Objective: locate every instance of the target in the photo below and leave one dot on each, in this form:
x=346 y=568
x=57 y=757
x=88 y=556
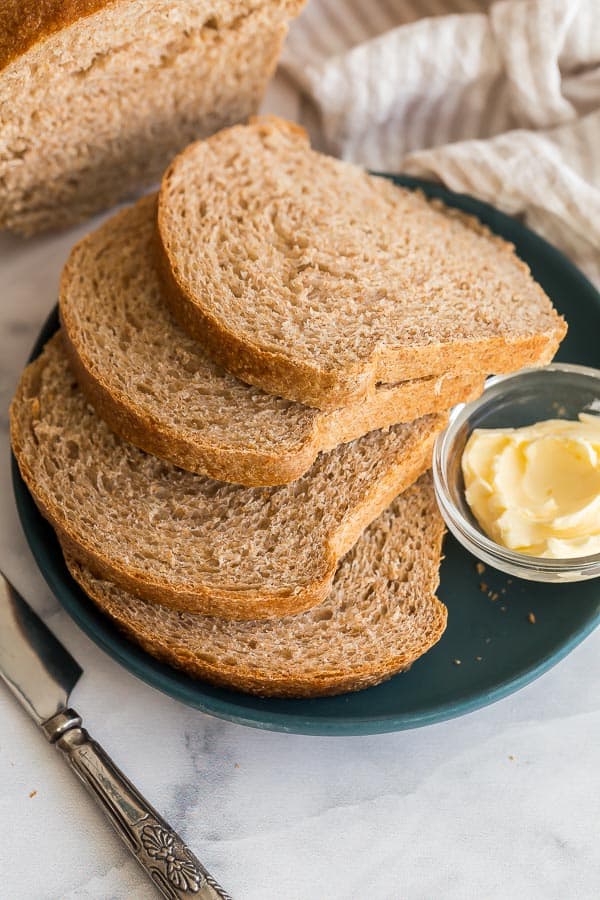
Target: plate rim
x=191 y=692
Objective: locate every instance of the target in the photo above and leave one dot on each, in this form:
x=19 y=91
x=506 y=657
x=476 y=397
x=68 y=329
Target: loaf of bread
x=315 y=281
x=188 y=541
x=156 y=386
x=380 y=616
x=97 y=95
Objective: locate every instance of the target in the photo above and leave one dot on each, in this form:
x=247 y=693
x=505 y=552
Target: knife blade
x=39 y=671
x=41 y=674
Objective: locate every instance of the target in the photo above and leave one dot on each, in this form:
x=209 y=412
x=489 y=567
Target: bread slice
x=156 y=387
x=185 y=540
x=380 y=616
x=96 y=96
x=313 y=280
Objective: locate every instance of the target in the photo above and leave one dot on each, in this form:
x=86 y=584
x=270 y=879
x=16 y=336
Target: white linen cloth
x=500 y=100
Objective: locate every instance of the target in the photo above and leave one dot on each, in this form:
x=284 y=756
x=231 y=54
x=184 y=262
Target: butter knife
x=41 y=674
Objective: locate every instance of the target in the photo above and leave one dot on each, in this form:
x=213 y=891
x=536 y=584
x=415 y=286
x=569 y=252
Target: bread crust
x=24 y=23
x=201 y=597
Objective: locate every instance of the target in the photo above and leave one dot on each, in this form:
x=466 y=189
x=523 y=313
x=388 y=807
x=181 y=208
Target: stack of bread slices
x=231 y=432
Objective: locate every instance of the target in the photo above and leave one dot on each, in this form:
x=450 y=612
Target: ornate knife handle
x=158 y=849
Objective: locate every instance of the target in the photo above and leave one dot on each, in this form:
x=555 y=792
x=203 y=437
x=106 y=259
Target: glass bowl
x=558 y=391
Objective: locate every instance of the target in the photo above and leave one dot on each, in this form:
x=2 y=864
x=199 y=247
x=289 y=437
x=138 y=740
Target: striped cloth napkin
x=497 y=99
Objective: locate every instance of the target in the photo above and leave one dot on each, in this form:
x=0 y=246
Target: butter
x=537 y=489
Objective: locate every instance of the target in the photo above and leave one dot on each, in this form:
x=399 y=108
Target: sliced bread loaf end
x=97 y=97
x=379 y=617
x=315 y=280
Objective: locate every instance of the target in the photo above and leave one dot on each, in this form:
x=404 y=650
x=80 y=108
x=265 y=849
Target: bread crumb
x=510 y=756
x=531 y=618
x=457 y=662
x=503 y=609
x=480 y=568
x=32 y=794
x=478 y=658
x=483 y=587
x=494 y=596
x=236 y=766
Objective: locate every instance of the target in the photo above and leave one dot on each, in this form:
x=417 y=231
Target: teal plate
x=500 y=650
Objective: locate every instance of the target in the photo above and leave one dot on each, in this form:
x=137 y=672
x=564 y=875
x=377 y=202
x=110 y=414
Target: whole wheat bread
x=156 y=386
x=313 y=280
x=96 y=96
x=379 y=617
x=183 y=539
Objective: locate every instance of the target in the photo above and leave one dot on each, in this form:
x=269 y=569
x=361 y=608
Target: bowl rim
x=473 y=538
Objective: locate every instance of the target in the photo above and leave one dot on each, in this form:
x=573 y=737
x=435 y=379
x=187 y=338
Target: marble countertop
x=502 y=803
